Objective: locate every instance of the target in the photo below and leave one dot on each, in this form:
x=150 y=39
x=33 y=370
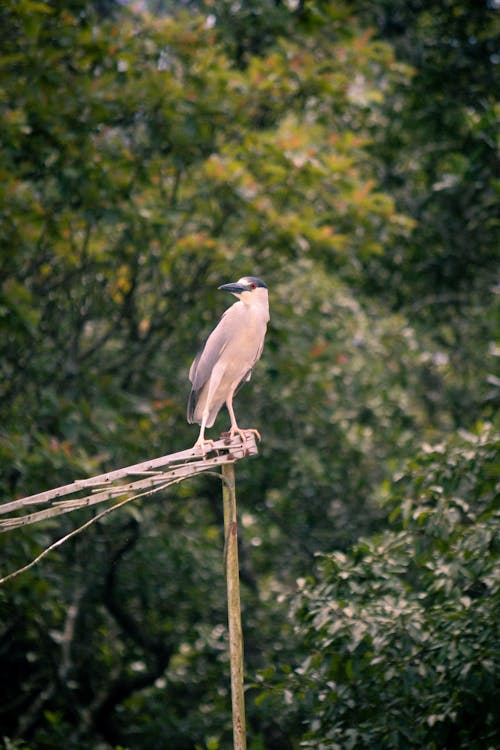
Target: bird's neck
x=258 y=312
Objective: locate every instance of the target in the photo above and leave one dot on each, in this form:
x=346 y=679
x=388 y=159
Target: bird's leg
x=202 y=442
x=213 y=383
x=235 y=430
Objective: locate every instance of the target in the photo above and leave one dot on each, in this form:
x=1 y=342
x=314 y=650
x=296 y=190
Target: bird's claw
x=202 y=445
x=242 y=433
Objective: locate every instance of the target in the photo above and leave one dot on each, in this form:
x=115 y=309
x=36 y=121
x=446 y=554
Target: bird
x=226 y=360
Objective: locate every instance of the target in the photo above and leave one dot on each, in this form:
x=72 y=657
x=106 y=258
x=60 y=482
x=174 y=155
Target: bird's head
x=249 y=289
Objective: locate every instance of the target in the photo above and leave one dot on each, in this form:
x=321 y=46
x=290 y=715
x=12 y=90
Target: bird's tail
x=196 y=407
x=191 y=407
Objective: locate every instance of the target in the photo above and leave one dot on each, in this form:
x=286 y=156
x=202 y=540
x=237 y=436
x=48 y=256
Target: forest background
x=346 y=153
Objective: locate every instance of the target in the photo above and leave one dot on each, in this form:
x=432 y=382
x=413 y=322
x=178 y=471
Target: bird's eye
x=253 y=285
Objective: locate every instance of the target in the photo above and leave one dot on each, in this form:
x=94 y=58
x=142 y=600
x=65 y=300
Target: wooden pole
x=233 y=606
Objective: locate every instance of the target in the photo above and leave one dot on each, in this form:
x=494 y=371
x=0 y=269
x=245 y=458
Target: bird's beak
x=234 y=288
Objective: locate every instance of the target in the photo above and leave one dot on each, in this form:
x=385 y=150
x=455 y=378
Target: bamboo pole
x=151 y=476
x=233 y=606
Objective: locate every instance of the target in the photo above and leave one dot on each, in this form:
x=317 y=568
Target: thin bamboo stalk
x=233 y=606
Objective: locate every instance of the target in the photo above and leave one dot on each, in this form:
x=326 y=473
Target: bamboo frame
x=149 y=477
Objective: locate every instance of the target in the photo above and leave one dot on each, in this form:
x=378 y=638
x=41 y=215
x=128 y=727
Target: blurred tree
x=144 y=160
x=439 y=154
x=438 y=159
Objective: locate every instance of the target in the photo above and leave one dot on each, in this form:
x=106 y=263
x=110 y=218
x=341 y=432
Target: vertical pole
x=233 y=606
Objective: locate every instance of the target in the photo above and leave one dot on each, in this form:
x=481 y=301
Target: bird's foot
x=243 y=434
x=204 y=444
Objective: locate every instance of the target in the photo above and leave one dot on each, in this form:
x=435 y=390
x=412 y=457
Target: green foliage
x=144 y=160
x=401 y=633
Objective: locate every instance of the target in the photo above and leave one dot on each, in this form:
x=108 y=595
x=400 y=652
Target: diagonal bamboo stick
x=110 y=486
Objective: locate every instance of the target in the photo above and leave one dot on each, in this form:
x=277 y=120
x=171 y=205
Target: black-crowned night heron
x=229 y=354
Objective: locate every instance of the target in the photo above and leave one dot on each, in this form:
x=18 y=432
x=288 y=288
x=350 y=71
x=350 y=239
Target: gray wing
x=209 y=355
x=206 y=359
